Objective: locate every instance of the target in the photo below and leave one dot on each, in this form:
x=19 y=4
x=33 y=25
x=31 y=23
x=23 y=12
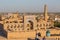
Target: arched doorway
x=31 y=24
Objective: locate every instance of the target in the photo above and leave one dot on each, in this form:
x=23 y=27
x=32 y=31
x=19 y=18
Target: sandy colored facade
x=26 y=26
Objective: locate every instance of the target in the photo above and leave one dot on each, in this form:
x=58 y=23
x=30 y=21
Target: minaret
x=45 y=13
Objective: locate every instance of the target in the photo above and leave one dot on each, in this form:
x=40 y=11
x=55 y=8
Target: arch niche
x=31 y=24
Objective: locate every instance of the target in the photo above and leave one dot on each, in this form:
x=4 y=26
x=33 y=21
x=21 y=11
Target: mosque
x=26 y=26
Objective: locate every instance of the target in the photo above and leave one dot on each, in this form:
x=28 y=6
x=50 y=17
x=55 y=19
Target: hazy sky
x=29 y=5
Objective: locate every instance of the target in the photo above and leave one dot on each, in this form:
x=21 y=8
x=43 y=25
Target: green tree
x=57 y=24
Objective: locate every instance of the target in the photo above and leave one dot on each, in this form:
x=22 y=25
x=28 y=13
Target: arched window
x=10 y=22
x=46 y=24
x=21 y=21
x=14 y=26
x=7 y=21
x=40 y=25
x=11 y=26
x=18 y=26
x=43 y=24
x=27 y=28
x=15 y=21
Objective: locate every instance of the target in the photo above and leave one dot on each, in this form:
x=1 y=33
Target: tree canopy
x=57 y=24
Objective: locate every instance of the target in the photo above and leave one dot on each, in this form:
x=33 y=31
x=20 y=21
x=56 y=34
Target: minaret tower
x=45 y=13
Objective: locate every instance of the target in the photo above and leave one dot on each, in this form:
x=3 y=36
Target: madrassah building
x=26 y=26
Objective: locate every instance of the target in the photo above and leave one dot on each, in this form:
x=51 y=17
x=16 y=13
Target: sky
x=29 y=5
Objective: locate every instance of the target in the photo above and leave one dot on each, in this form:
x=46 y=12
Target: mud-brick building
x=26 y=26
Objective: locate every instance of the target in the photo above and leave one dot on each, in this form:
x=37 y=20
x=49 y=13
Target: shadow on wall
x=30 y=39
x=31 y=23
x=3 y=33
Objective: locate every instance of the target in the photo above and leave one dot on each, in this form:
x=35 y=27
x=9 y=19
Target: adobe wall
x=26 y=34
x=12 y=35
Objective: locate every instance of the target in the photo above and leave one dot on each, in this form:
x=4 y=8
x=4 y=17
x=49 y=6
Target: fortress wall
x=32 y=34
x=13 y=35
